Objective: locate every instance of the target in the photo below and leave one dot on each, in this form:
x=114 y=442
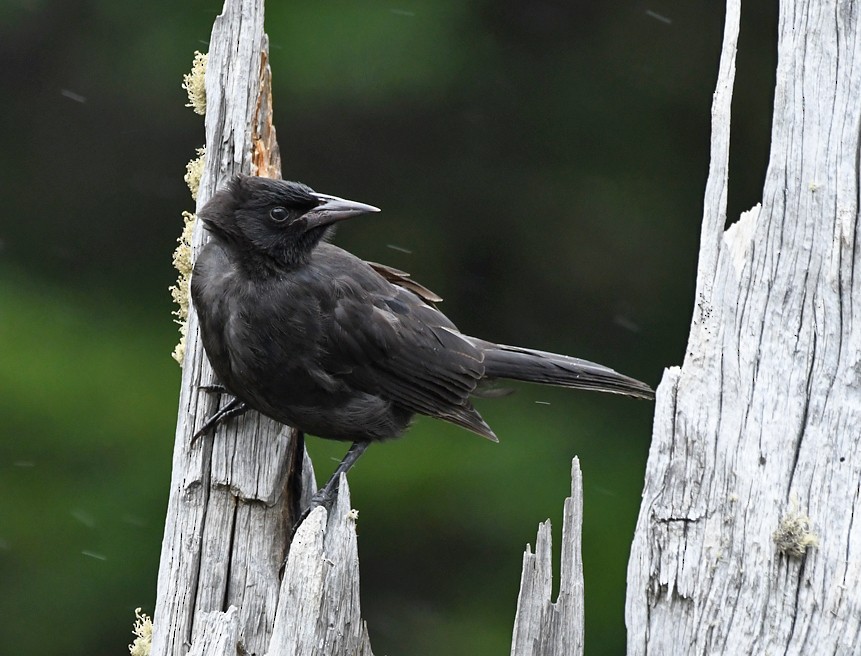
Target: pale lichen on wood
x=194 y=84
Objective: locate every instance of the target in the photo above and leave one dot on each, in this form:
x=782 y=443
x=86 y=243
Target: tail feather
x=515 y=363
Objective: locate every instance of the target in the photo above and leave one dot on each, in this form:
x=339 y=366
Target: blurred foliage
x=541 y=165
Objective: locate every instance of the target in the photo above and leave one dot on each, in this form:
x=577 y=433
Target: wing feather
x=385 y=339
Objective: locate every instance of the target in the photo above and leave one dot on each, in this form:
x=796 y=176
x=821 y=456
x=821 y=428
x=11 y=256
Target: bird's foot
x=233 y=409
x=324 y=497
x=327 y=494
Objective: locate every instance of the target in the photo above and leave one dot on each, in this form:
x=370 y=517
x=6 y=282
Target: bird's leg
x=234 y=408
x=325 y=496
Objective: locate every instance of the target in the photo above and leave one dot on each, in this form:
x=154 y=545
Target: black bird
x=318 y=339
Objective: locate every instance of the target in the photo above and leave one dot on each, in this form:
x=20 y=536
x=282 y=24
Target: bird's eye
x=278 y=214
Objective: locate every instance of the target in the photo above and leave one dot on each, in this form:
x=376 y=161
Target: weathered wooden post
x=747 y=541
x=543 y=627
x=232 y=496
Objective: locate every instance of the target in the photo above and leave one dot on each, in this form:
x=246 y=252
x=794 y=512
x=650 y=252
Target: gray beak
x=332 y=209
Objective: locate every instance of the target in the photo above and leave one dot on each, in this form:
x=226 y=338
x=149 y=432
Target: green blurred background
x=540 y=165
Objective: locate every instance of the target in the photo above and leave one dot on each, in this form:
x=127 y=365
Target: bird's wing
x=403 y=279
x=383 y=339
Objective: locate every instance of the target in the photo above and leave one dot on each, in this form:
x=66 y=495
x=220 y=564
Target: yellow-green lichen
x=180 y=291
x=194 y=84
x=143 y=634
x=194 y=171
x=794 y=535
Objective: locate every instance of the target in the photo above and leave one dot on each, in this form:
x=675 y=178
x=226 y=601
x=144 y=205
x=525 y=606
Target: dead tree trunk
x=746 y=541
x=543 y=627
x=232 y=496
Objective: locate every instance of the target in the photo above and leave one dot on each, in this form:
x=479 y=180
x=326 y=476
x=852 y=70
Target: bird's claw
x=324 y=497
x=233 y=409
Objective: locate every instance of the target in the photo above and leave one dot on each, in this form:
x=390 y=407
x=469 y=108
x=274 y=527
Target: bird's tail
x=533 y=366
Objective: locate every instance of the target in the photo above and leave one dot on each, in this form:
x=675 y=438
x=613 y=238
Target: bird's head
x=282 y=221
